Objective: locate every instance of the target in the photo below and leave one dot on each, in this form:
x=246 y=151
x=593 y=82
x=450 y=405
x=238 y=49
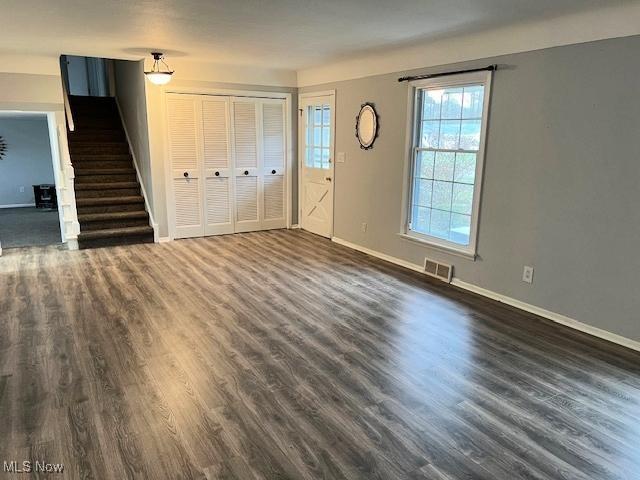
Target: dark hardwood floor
x=282 y=355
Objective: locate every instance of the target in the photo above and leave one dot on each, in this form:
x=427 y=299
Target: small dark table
x=45 y=196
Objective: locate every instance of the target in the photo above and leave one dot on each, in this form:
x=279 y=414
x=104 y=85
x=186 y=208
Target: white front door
x=316 y=164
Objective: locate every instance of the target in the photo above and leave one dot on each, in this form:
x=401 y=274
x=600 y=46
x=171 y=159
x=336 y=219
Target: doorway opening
x=29 y=213
x=87 y=76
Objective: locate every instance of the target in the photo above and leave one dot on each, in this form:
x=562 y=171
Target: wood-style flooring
x=280 y=355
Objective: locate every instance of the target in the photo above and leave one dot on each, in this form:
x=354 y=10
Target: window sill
x=442 y=248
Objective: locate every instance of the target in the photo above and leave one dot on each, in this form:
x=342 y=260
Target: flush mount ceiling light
x=158 y=75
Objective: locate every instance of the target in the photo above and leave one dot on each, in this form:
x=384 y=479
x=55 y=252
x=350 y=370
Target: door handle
x=186 y=174
x=273 y=172
x=217 y=174
x=328 y=179
x=246 y=172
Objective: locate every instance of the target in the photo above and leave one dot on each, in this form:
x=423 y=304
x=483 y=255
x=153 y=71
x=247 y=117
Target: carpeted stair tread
x=107 y=177
x=102 y=161
x=95 y=170
x=101 y=164
x=125 y=192
x=100 y=217
x=106 y=186
x=116 y=232
x=91 y=142
x=86 y=202
x=95 y=139
x=98 y=148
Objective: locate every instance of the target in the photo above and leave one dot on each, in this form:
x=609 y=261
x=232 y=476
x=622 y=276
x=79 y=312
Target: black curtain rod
x=490 y=68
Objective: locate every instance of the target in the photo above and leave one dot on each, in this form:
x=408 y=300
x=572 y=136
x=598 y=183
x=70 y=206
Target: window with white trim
x=447 y=152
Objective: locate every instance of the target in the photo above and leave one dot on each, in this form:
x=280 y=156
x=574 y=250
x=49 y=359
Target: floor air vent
x=439 y=270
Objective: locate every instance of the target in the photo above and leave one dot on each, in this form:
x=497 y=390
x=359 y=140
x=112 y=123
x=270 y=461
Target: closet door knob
x=246 y=172
x=186 y=174
x=273 y=172
x=217 y=174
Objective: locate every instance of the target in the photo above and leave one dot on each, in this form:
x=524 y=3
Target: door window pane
x=325 y=136
x=318 y=137
x=326 y=155
x=326 y=115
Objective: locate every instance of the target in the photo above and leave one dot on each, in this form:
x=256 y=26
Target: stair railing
x=67 y=108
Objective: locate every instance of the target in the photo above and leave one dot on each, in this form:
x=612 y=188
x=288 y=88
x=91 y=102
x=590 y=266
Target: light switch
x=341 y=157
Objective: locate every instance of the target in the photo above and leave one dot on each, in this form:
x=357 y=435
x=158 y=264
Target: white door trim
x=301 y=152
x=63 y=173
x=226 y=92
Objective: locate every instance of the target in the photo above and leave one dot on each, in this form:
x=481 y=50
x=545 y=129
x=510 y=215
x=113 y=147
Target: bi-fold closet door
x=228 y=164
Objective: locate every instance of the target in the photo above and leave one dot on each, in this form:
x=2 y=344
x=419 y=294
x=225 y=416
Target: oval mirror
x=367 y=126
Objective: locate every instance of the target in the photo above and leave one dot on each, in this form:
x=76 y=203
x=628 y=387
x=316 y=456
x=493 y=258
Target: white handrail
x=67 y=108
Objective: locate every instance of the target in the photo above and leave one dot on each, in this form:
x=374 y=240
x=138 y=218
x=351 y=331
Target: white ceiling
x=288 y=34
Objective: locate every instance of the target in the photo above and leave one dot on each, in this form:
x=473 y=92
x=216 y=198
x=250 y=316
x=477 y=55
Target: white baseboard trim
x=295 y=226
x=72 y=244
x=549 y=315
x=152 y=223
x=163 y=239
x=381 y=256
x=18 y=205
x=541 y=312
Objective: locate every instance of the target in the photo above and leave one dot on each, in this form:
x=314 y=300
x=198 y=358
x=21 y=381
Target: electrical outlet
x=22 y=189
x=341 y=157
x=364 y=227
x=527 y=274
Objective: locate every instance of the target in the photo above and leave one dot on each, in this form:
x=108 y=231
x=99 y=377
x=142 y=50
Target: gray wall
x=77 y=75
x=28 y=161
x=86 y=75
x=130 y=94
x=561 y=183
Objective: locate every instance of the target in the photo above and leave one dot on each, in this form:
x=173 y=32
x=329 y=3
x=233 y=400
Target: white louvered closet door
x=186 y=178
x=274 y=164
x=218 y=172
x=246 y=148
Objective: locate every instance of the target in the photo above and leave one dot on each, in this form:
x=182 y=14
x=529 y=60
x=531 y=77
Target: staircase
x=111 y=209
